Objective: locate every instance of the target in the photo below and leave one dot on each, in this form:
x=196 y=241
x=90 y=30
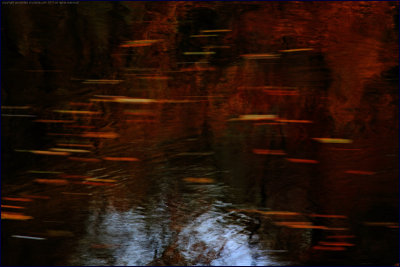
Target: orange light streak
x=339 y=244
x=108 y=135
x=17 y=199
x=14 y=216
x=268 y=152
x=50 y=153
x=12 y=207
x=308 y=161
x=54 y=121
x=199 y=180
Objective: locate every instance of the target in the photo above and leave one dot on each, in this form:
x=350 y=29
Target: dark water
x=149 y=213
x=168 y=170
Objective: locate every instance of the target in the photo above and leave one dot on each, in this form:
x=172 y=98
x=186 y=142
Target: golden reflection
x=199 y=180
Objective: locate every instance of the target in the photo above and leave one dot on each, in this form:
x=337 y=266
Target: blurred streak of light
x=199 y=180
x=339 y=244
x=310 y=161
x=120 y=159
x=18 y=115
x=296 y=50
x=78 y=112
x=76 y=193
x=134 y=100
x=12 y=207
x=360 y=172
x=333 y=140
x=305 y=226
x=102 y=81
x=198 y=53
x=261 y=56
x=51 y=181
x=93 y=183
x=218 y=30
x=17 y=199
x=294 y=121
x=54 y=121
x=135 y=45
x=328 y=216
x=204 y=35
x=70 y=150
x=255 y=117
x=108 y=135
x=101 y=100
x=15 y=107
x=329 y=248
x=177 y=101
x=5 y=215
x=84 y=159
x=28 y=237
x=268 y=152
x=101 y=180
x=76 y=145
x=139 y=43
x=50 y=153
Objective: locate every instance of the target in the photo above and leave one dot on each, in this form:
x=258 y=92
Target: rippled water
x=157 y=213
x=270 y=159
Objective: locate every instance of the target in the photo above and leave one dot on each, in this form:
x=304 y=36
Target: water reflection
x=203 y=135
x=149 y=234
